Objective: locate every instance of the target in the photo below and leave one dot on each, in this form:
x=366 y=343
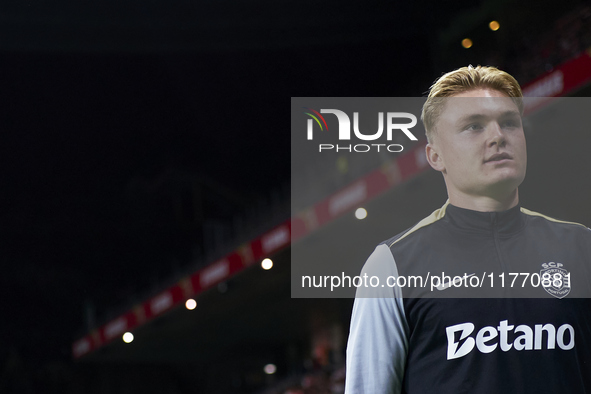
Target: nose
x=496 y=135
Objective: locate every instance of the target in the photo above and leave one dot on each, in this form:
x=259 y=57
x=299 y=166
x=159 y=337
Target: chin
x=504 y=186
x=509 y=177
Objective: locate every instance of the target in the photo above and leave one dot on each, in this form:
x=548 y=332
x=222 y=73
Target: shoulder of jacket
x=529 y=213
x=435 y=216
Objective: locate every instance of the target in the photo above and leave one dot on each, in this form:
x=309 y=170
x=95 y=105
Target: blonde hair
x=463 y=80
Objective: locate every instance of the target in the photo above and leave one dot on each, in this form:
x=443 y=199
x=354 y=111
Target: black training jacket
x=475 y=302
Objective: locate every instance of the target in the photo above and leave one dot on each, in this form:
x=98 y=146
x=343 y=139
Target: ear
x=434 y=159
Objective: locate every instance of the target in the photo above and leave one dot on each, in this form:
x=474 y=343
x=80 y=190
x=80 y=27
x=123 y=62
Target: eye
x=474 y=127
x=511 y=123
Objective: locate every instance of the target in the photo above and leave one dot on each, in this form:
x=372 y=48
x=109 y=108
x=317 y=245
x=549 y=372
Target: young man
x=459 y=336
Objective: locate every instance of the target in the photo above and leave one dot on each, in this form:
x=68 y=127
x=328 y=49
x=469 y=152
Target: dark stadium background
x=137 y=134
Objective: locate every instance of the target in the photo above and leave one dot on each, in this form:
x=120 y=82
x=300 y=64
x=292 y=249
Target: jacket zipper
x=496 y=239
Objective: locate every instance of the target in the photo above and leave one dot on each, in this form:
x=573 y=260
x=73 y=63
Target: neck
x=484 y=203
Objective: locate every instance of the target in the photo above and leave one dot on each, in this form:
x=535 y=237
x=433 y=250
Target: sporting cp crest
x=555 y=279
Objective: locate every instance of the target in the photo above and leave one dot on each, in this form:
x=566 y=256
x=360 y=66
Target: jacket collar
x=503 y=222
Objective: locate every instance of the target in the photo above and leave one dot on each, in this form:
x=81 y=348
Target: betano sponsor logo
x=391 y=119
x=348 y=198
x=542 y=90
x=115 y=327
x=161 y=303
x=525 y=338
x=275 y=239
x=214 y=273
x=81 y=347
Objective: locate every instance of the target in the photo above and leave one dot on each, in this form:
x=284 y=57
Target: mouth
x=499 y=157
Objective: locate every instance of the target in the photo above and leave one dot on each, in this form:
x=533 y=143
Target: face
x=479 y=145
